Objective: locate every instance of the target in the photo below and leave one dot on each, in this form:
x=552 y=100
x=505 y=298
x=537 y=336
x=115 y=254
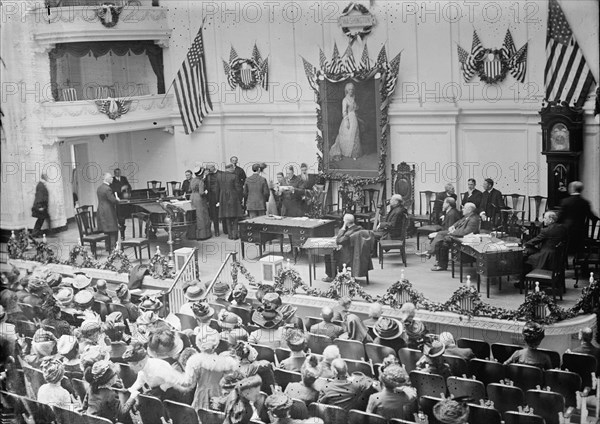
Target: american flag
x=463 y=57
x=311 y=73
x=349 y=63
x=365 y=62
x=323 y=60
x=392 y=74
x=191 y=87
x=508 y=48
x=470 y=65
x=335 y=67
x=518 y=64
x=567 y=76
x=382 y=62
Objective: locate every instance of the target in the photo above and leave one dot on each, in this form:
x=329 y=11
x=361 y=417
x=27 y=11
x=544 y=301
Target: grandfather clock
x=562 y=143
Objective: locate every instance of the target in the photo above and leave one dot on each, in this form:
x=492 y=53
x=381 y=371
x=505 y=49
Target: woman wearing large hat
x=193 y=293
x=200 y=203
x=449 y=411
x=389 y=333
x=397 y=399
x=433 y=360
x=271 y=331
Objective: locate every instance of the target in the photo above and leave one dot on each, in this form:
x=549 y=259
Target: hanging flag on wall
x=567 y=76
x=247 y=73
x=191 y=86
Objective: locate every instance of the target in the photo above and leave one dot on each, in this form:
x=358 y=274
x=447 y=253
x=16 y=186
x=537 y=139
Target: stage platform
x=436 y=286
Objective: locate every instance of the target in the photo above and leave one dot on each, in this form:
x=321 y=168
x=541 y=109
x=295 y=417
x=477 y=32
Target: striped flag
x=567 y=76
x=518 y=64
x=335 y=67
x=365 y=62
x=463 y=57
x=470 y=65
x=349 y=63
x=191 y=87
x=508 y=48
x=382 y=62
x=323 y=60
x=392 y=74
x=311 y=74
x=264 y=74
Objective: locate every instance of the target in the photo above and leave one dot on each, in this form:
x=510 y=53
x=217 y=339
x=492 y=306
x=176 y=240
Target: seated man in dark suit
x=345 y=252
x=472 y=195
x=439 y=202
x=540 y=250
x=186 y=185
x=451 y=216
x=326 y=327
x=391 y=226
x=468 y=224
x=587 y=346
x=451 y=348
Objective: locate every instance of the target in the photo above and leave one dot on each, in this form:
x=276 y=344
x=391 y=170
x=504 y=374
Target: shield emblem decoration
x=246 y=74
x=492 y=66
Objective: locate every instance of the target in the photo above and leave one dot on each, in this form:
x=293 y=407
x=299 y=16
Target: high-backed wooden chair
x=505 y=397
x=154 y=184
x=92 y=216
x=398 y=242
x=367 y=210
x=174 y=188
x=426 y=202
x=589 y=255
x=554 y=277
x=86 y=234
x=480 y=348
x=138 y=243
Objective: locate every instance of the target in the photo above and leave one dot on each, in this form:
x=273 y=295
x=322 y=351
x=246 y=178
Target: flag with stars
x=567 y=76
x=508 y=48
x=463 y=57
x=335 y=67
x=349 y=64
x=382 y=62
x=518 y=64
x=191 y=87
x=365 y=62
x=311 y=74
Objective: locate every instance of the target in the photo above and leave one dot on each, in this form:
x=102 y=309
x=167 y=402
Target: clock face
x=559 y=138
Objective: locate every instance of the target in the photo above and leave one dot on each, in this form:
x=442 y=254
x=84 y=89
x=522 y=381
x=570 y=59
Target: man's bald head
x=586 y=334
x=327 y=314
x=340 y=368
x=348 y=219
x=469 y=208
x=107 y=178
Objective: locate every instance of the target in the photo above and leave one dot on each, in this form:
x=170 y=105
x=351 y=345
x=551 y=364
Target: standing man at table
x=491 y=201
x=256 y=193
x=107 y=210
x=230 y=201
x=468 y=224
x=344 y=253
x=213 y=176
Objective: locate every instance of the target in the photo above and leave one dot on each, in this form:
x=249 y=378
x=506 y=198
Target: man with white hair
x=391 y=226
x=344 y=253
x=107 y=210
x=540 y=251
x=468 y=224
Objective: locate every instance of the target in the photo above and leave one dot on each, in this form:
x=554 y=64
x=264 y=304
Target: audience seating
x=399 y=421
x=67 y=416
x=356 y=416
x=486 y=371
x=564 y=382
x=328 y=413
x=299 y=410
x=505 y=398
x=482 y=414
x=546 y=404
x=310 y=321
x=409 y=357
x=182 y=413
x=151 y=409
x=317 y=342
x=127 y=375
x=283 y=377
x=351 y=349
x=428 y=384
x=524 y=376
x=35 y=378
x=86 y=234
x=502 y=351
x=458 y=386
x=589 y=255
x=480 y=348
x=359 y=366
x=92 y=419
x=188 y=322
x=138 y=243
x=264 y=352
x=80 y=387
x=376 y=352
x=457 y=364
x=514 y=417
x=281 y=354
x=582 y=364
x=553 y=355
x=426 y=403
x=40 y=412
x=244 y=313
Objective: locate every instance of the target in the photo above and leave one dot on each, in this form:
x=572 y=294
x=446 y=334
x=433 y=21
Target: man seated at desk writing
x=344 y=253
x=468 y=224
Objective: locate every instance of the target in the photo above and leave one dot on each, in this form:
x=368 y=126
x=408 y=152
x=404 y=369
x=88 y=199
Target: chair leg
x=148 y=252
x=367 y=278
x=417 y=240
x=381 y=256
x=93 y=247
x=403 y=253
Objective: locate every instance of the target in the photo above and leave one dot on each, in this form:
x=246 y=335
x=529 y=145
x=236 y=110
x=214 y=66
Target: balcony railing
x=79 y=23
x=116 y=90
x=84 y=117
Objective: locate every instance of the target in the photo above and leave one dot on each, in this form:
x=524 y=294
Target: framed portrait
x=351 y=116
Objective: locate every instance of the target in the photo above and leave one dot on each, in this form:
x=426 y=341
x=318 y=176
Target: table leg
x=243 y=250
x=487 y=286
x=417 y=240
x=310 y=273
x=460 y=259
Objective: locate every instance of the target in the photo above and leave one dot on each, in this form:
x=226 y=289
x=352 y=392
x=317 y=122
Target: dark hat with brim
x=195 y=292
x=388 y=328
x=436 y=349
x=220 y=289
x=449 y=411
x=134 y=353
x=203 y=311
x=267 y=318
x=150 y=304
x=163 y=352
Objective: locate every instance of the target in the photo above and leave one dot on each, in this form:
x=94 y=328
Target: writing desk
x=493 y=258
x=319 y=246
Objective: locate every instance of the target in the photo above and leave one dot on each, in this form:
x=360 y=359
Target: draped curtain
x=101 y=48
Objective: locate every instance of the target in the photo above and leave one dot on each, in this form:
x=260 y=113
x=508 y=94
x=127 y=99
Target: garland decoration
x=109 y=14
x=365 y=16
x=18 y=244
x=287 y=276
x=159 y=266
x=238 y=267
x=123 y=264
x=43 y=253
x=247 y=73
x=79 y=257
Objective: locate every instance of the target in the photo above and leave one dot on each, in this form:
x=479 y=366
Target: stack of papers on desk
x=320 y=242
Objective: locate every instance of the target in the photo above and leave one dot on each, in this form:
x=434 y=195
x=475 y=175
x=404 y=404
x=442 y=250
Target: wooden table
x=186 y=225
x=319 y=246
x=492 y=258
x=257 y=230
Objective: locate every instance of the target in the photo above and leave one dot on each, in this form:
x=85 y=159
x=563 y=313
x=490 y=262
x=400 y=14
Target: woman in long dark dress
x=199 y=202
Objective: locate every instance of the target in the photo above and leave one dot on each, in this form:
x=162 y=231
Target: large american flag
x=191 y=87
x=567 y=76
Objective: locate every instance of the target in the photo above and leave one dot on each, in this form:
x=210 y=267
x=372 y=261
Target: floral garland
x=18 y=244
x=481 y=67
x=159 y=266
x=43 y=253
x=351 y=184
x=290 y=274
x=80 y=252
x=122 y=260
x=238 y=267
x=404 y=289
